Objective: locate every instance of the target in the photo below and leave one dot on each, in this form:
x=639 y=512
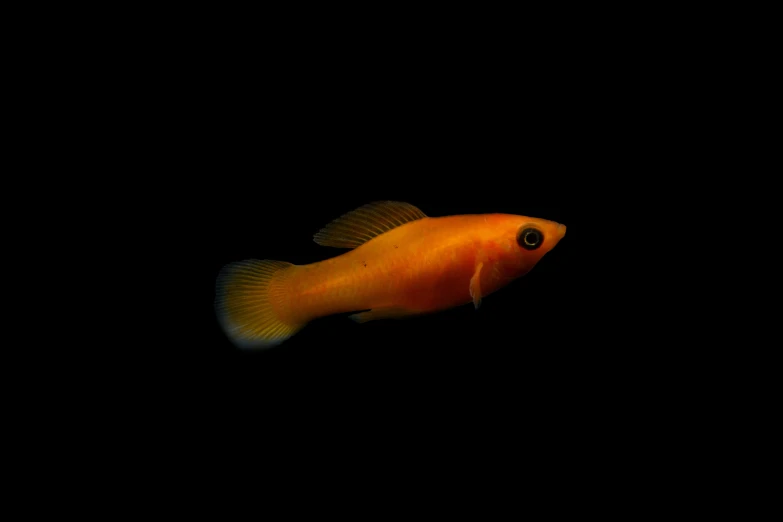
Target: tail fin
x=247 y=301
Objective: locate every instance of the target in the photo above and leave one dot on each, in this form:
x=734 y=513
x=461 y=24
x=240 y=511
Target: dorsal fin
x=361 y=225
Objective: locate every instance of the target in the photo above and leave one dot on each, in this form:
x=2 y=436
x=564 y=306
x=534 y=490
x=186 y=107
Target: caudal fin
x=248 y=299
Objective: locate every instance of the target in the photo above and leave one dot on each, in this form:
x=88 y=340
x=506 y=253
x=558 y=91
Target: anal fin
x=475 y=286
x=382 y=313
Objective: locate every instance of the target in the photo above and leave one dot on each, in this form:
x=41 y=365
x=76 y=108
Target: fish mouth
x=561 y=230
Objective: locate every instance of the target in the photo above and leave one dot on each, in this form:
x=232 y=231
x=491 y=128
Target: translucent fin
x=475 y=286
x=382 y=313
x=245 y=303
x=361 y=225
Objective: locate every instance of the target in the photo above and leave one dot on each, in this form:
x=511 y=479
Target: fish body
x=402 y=263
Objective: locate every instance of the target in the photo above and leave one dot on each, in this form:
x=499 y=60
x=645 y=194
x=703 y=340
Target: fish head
x=522 y=241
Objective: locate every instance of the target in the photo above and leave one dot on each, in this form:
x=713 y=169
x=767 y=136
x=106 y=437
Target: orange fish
x=402 y=263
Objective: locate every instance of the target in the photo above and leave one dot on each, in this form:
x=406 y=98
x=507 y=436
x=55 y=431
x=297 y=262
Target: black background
x=528 y=342
x=276 y=149
x=265 y=137
x=253 y=139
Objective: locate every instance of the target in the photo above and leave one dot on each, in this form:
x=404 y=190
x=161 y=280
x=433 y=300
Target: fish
x=400 y=263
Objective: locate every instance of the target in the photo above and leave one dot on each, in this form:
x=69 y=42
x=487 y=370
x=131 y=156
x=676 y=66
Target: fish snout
x=561 y=230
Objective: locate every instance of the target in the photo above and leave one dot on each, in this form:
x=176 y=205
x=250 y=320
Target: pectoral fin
x=475 y=286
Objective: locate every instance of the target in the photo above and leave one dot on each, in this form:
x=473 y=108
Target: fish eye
x=530 y=238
